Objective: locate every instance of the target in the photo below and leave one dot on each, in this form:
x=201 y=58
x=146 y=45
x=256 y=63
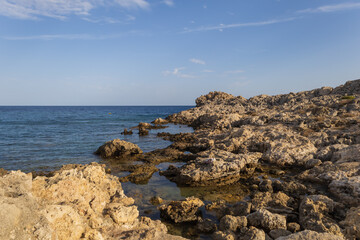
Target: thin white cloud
x=234 y=71
x=221 y=27
x=170 y=3
x=332 y=8
x=126 y=20
x=208 y=71
x=178 y=73
x=197 y=61
x=49 y=37
x=61 y=9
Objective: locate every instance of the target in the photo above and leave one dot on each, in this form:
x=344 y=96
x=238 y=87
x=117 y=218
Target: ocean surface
x=45 y=138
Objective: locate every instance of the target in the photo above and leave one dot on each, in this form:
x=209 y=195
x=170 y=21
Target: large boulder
x=118 y=148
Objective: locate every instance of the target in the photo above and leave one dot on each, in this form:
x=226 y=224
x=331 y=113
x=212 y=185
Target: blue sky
x=168 y=52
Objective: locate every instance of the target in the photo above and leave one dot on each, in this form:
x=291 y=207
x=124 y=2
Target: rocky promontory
x=295 y=156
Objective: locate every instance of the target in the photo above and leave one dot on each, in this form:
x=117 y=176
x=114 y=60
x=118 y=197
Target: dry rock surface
x=77 y=202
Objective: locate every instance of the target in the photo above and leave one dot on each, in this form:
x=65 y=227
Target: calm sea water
x=44 y=138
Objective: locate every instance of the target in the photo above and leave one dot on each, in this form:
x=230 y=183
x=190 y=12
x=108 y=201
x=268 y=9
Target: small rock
x=311 y=235
x=266 y=220
x=143 y=131
x=156 y=201
x=241 y=209
x=252 y=233
x=206 y=226
x=293 y=227
x=266 y=186
x=232 y=223
x=126 y=132
x=159 y=121
x=182 y=211
x=219 y=235
x=118 y=148
x=312 y=163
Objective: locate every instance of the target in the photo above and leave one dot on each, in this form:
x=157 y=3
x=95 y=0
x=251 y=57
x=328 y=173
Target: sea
x=43 y=138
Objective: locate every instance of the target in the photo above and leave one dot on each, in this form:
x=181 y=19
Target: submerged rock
x=118 y=148
x=182 y=211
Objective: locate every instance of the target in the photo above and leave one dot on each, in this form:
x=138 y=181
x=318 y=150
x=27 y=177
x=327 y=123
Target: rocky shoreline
x=298 y=155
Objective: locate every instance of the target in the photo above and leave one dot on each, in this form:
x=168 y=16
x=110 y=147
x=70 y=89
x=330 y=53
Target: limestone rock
x=118 y=148
x=182 y=211
x=266 y=220
x=314 y=214
x=232 y=223
x=352 y=223
x=308 y=234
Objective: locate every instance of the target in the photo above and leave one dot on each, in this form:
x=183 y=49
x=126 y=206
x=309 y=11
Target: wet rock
x=182 y=211
x=219 y=235
x=266 y=220
x=143 y=131
x=293 y=227
x=314 y=214
x=232 y=223
x=241 y=209
x=352 y=223
x=308 y=234
x=127 y=132
x=206 y=226
x=140 y=173
x=156 y=201
x=118 y=148
x=276 y=233
x=266 y=186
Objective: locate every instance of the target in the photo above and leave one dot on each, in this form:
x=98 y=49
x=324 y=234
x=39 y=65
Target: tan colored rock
x=266 y=220
x=118 y=148
x=182 y=211
x=352 y=223
x=308 y=234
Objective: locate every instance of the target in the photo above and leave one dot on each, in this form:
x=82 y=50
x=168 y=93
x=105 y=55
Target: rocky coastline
x=297 y=154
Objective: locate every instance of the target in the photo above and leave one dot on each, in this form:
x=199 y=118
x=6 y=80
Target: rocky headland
x=297 y=156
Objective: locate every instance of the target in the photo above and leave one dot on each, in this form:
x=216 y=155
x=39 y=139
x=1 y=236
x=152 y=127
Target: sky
x=169 y=52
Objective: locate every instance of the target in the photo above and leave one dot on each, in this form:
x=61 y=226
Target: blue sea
x=45 y=138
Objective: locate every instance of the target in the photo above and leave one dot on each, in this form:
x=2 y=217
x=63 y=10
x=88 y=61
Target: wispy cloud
x=170 y=3
x=110 y=20
x=61 y=9
x=178 y=73
x=197 y=61
x=208 y=71
x=332 y=8
x=234 y=72
x=48 y=37
x=221 y=27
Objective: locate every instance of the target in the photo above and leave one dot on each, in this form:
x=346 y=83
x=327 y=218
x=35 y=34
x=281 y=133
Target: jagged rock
x=118 y=148
x=314 y=214
x=219 y=235
x=308 y=234
x=218 y=168
x=126 y=132
x=212 y=97
x=352 y=223
x=139 y=173
x=232 y=223
x=266 y=220
x=266 y=186
x=206 y=226
x=241 y=209
x=77 y=201
x=143 y=131
x=252 y=233
x=182 y=211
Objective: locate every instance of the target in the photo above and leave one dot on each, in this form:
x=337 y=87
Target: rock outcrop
x=182 y=211
x=77 y=202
